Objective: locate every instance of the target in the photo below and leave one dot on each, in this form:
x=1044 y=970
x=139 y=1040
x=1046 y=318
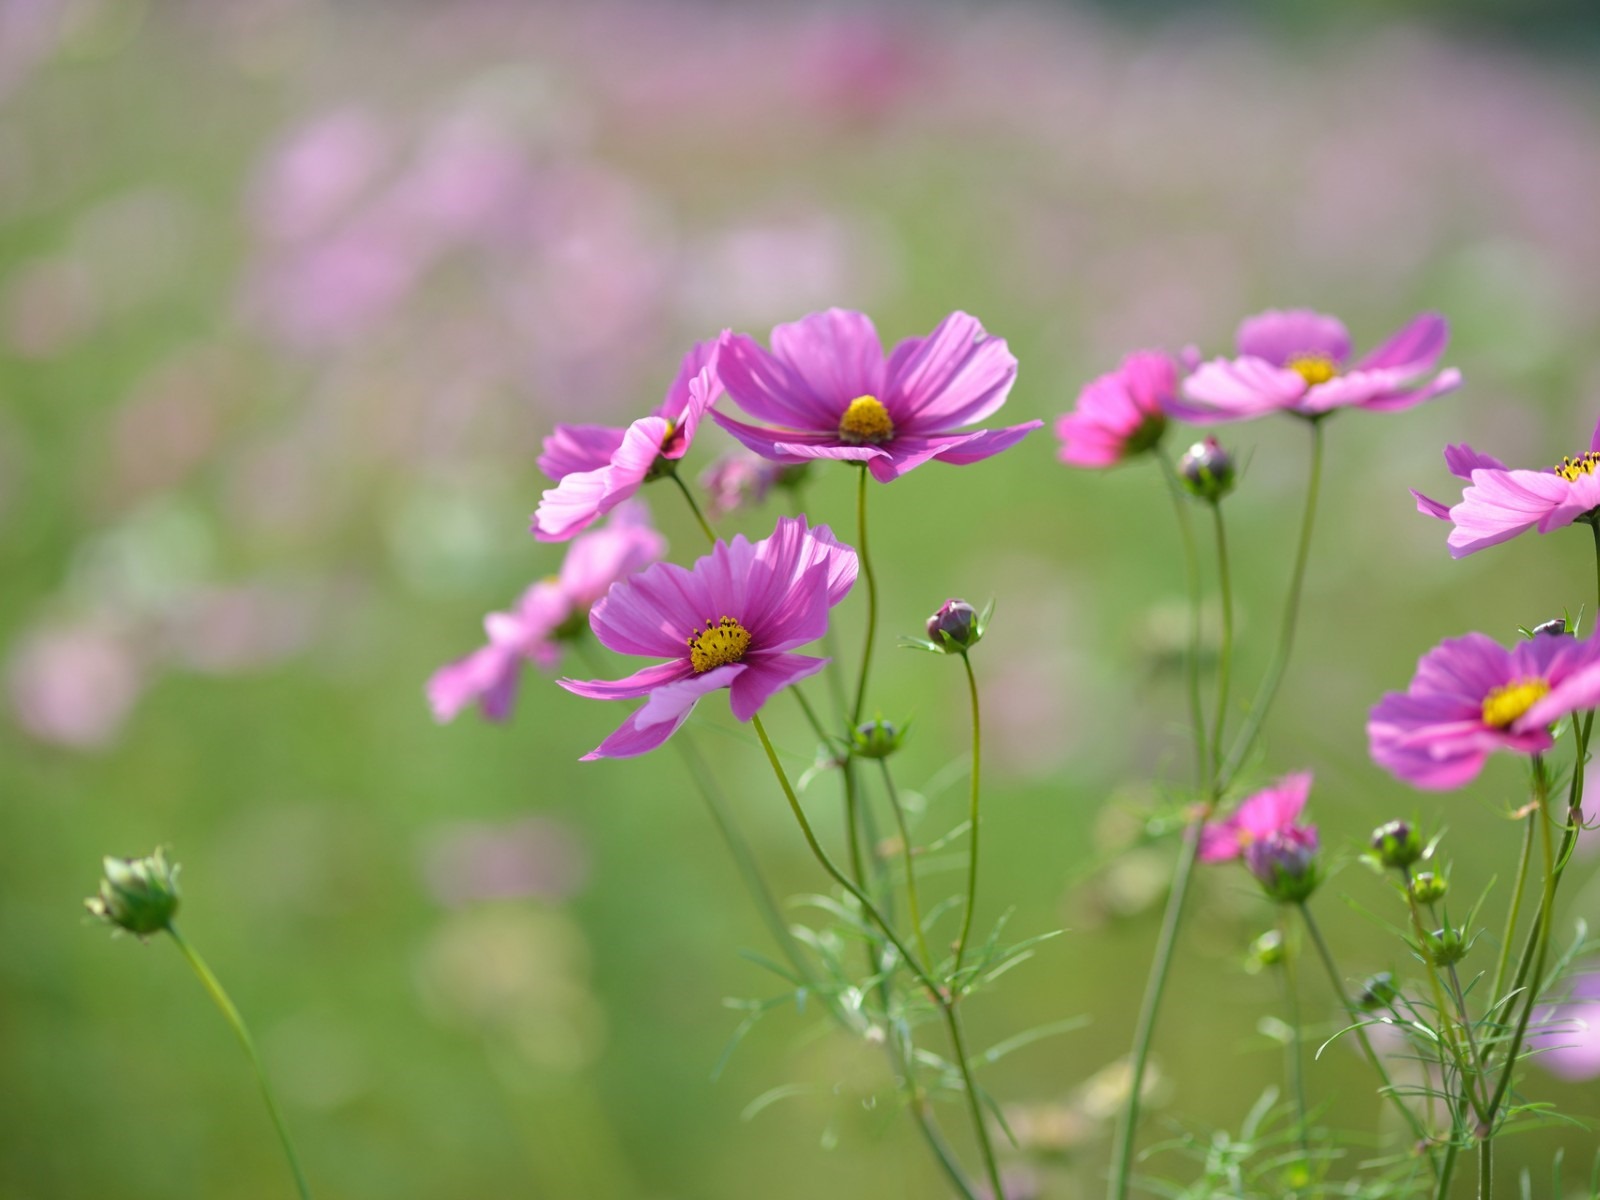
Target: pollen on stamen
x=1313 y=368
x=1504 y=705
x=1571 y=469
x=866 y=421
x=717 y=645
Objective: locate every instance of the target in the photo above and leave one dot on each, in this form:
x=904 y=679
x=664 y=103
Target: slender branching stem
x=1296 y=1060
x=220 y=998
x=1219 y=715
x=694 y=507
x=871 y=581
x=1486 y=1168
x=909 y=855
x=1191 y=665
x=1447 y=1169
x=1516 y=908
x=972 y=816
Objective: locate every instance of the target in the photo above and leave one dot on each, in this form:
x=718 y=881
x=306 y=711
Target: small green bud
x=955 y=628
x=1378 y=992
x=1207 y=470
x=1445 y=947
x=139 y=895
x=1396 y=845
x=1267 y=950
x=1428 y=888
x=877 y=739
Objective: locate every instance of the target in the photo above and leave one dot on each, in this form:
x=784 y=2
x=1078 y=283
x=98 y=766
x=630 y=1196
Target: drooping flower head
x=732 y=620
x=1266 y=833
x=1298 y=361
x=1472 y=696
x=827 y=391
x=597 y=467
x=1500 y=503
x=1120 y=414
x=547 y=613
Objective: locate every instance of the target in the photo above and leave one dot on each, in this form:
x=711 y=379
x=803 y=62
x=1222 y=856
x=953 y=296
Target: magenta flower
x=1569 y=1038
x=547 y=612
x=1120 y=414
x=1472 y=696
x=1268 y=813
x=597 y=467
x=738 y=480
x=1295 y=361
x=730 y=621
x=831 y=393
x=1500 y=503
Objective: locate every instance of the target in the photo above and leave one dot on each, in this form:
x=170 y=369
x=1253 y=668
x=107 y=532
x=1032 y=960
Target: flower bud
x=1428 y=888
x=1285 y=864
x=1396 y=845
x=1556 y=627
x=1378 y=992
x=1207 y=470
x=1445 y=947
x=139 y=895
x=877 y=739
x=1267 y=950
x=955 y=628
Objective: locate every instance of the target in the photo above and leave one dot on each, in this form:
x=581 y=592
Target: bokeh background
x=289 y=293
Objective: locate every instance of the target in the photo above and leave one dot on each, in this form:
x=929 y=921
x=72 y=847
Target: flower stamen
x=1505 y=705
x=717 y=645
x=866 y=421
x=1571 y=468
x=1313 y=368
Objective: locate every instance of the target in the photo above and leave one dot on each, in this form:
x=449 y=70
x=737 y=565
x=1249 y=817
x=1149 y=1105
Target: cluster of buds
x=138 y=895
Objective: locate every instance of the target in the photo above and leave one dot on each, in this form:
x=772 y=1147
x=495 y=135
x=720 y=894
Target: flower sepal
x=137 y=895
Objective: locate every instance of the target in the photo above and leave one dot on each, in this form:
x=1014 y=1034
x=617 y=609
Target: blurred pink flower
x=316 y=174
x=738 y=479
x=1271 y=812
x=532 y=857
x=1119 y=414
x=74 y=685
x=1568 y=1034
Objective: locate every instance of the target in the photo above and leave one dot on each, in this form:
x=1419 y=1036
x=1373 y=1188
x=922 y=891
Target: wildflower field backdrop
x=292 y=292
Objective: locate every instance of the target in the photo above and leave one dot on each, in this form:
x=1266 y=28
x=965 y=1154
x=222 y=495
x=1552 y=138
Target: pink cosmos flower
x=597 y=467
x=730 y=621
x=740 y=479
x=1297 y=361
x=1500 y=503
x=547 y=612
x=1270 y=812
x=1472 y=696
x=1119 y=414
x=830 y=391
x=1569 y=1040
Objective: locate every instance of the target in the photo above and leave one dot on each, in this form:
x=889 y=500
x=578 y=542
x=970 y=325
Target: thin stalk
x=909 y=856
x=872 y=599
x=1486 y=1169
x=1191 y=573
x=1297 y=1070
x=1447 y=1169
x=1225 y=654
x=1246 y=740
x=694 y=507
x=231 y=1014
x=972 y=816
x=1516 y=909
x=1450 y=1039
x=1360 y=1030
x=939 y=997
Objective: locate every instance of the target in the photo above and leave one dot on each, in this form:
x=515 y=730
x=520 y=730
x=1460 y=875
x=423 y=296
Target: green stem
x=1144 y=1030
x=1225 y=651
x=910 y=861
x=1191 y=572
x=1450 y=1038
x=939 y=997
x=1360 y=1029
x=972 y=817
x=694 y=507
x=1486 y=1169
x=1516 y=909
x=1447 y=1169
x=220 y=998
x=1246 y=740
x=1297 y=1070
x=872 y=599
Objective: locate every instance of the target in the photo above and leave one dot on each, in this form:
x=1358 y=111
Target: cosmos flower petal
x=628 y=543
x=792 y=447
x=1462 y=460
x=1498 y=505
x=767 y=675
x=488 y=676
x=838 y=356
x=1412 y=394
x=1414 y=348
x=571 y=449
x=580 y=500
x=662 y=716
x=956 y=375
x=1429 y=507
x=769 y=389
x=1279 y=335
x=1236 y=390
x=640 y=683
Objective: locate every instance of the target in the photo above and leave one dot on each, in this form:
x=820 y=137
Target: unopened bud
x=1396 y=844
x=877 y=739
x=1378 y=992
x=1207 y=470
x=955 y=628
x=1428 y=888
x=1445 y=947
x=1267 y=950
x=1285 y=864
x=139 y=895
x=1556 y=627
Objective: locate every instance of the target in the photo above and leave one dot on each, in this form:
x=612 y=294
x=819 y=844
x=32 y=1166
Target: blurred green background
x=291 y=291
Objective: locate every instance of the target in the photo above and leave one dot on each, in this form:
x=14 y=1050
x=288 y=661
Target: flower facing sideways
x=1265 y=832
x=731 y=621
x=1500 y=503
x=1120 y=414
x=828 y=391
x=597 y=467
x=547 y=612
x=1297 y=361
x=1472 y=696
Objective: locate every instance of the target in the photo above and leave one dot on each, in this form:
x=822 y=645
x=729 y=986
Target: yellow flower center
x=1505 y=704
x=1313 y=368
x=718 y=645
x=1570 y=468
x=866 y=420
